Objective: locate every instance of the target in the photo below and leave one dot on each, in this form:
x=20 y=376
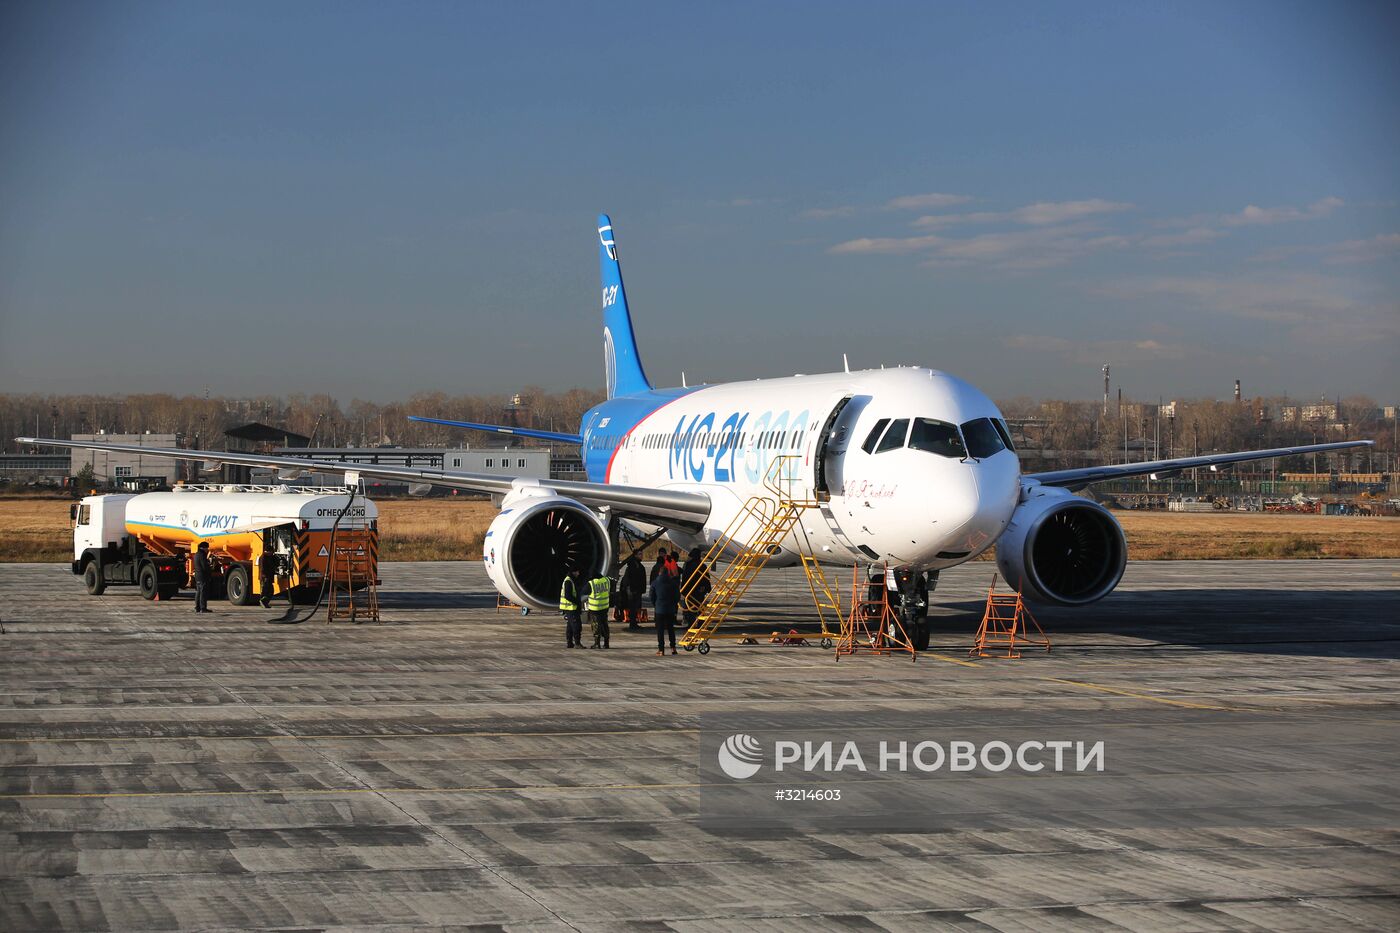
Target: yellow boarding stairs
x=354 y=593
x=755 y=535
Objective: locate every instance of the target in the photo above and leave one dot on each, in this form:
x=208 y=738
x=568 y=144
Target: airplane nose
x=963 y=501
x=989 y=493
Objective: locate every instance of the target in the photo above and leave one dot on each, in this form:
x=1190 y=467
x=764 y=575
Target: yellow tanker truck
x=145 y=540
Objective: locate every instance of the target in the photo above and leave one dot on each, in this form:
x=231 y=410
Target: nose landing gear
x=914 y=589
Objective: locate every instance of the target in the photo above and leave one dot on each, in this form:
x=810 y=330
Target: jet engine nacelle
x=1060 y=548
x=536 y=539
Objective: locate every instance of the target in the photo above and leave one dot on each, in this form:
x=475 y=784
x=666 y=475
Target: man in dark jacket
x=665 y=594
x=269 y=569
x=696 y=570
x=200 y=566
x=632 y=588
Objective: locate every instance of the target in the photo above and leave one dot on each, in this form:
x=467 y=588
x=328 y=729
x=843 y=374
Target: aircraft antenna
x=683 y=385
x=845 y=362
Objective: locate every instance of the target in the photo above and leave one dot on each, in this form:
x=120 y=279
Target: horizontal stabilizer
x=502 y=429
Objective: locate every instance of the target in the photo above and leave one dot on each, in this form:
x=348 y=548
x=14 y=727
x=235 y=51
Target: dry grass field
x=1243 y=535
x=452 y=529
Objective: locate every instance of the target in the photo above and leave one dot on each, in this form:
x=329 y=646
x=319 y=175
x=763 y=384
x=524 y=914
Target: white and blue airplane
x=911 y=467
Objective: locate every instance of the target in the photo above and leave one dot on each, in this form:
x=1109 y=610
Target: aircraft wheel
x=921 y=634
x=704 y=647
x=92 y=579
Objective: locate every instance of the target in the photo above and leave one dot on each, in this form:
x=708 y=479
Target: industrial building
x=530 y=462
x=41 y=469
x=120 y=468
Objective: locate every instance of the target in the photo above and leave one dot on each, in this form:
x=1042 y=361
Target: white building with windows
x=119 y=467
x=509 y=461
x=533 y=462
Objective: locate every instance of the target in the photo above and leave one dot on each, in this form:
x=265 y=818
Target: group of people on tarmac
x=663 y=588
x=271 y=567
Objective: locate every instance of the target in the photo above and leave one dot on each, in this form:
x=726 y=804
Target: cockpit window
x=938 y=437
x=875 y=432
x=983 y=439
x=894 y=437
x=1005 y=433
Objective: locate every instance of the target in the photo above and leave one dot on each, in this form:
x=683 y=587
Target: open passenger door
x=832 y=443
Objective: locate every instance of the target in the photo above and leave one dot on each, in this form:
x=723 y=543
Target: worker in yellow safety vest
x=597 y=601
x=571 y=605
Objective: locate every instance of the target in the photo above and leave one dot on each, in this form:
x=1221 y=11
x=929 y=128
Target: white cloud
x=908 y=202
x=1039 y=214
x=1026 y=249
x=1192 y=237
x=1253 y=215
x=1057 y=212
x=1296 y=297
x=1348 y=252
x=1048 y=233
x=925 y=202
x=898 y=246
x=1016 y=249
x=825 y=213
x=1090 y=352
x=1038 y=342
x=1357 y=251
x=934 y=221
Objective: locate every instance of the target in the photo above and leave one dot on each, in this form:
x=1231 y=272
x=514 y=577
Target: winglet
x=622 y=362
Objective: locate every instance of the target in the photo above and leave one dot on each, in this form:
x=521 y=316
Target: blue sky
x=372 y=200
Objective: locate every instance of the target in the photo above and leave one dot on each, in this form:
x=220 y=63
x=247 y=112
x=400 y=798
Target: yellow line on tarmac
x=325 y=791
x=343 y=737
x=1144 y=696
x=951 y=660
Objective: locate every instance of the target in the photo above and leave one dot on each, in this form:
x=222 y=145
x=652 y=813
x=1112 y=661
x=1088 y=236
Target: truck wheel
x=93 y=579
x=239 y=585
x=149 y=581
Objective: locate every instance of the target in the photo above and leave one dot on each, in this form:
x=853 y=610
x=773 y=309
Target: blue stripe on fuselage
x=605 y=426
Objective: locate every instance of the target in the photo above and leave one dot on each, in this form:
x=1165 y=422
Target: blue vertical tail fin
x=625 y=375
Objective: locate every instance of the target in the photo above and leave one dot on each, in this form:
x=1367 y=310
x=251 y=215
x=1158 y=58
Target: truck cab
x=98 y=522
x=99 y=539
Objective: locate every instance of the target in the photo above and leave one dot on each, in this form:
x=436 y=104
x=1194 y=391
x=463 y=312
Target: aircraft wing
x=656 y=506
x=1084 y=476
x=503 y=429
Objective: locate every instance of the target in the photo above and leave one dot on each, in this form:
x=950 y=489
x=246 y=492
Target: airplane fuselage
x=911 y=466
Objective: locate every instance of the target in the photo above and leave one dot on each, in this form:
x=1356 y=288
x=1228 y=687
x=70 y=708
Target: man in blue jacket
x=665 y=595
